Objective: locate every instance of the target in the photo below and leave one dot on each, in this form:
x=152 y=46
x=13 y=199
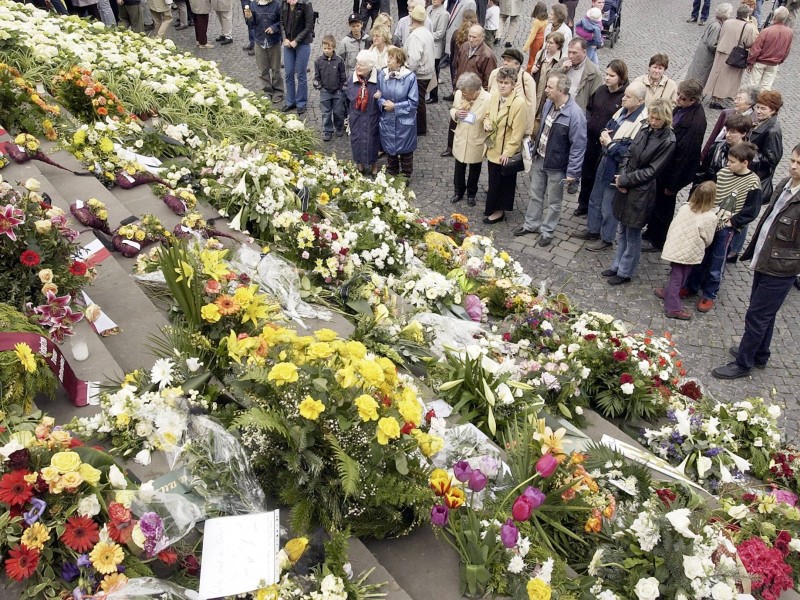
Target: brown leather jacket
x=482 y=63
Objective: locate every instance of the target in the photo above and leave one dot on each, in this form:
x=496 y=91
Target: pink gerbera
x=10 y=217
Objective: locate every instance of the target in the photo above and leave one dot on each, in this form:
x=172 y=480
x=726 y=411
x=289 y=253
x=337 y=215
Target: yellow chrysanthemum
x=25 y=356
x=311 y=409
x=325 y=335
x=106 y=556
x=367 y=408
x=388 y=429
x=35 y=536
x=283 y=373
x=210 y=313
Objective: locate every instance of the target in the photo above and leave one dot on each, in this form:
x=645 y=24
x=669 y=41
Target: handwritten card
x=240 y=554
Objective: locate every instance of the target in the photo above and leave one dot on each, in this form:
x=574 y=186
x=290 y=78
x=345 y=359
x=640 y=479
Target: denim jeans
x=546 y=186
x=251 y=31
x=766 y=298
x=295 y=63
x=737 y=243
x=757 y=12
x=601 y=213
x=332 y=113
x=706 y=7
x=629 y=250
x=707 y=276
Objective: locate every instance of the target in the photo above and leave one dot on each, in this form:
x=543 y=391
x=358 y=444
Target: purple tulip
x=474 y=307
x=522 y=508
x=477 y=480
x=535 y=495
x=37 y=508
x=546 y=465
x=462 y=470
x=509 y=534
x=440 y=515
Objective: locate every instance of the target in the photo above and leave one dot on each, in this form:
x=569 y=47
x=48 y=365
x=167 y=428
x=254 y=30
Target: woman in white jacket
x=469 y=107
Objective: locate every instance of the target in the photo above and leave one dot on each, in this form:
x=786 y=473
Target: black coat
x=298 y=27
x=648 y=156
x=768 y=138
x=689 y=134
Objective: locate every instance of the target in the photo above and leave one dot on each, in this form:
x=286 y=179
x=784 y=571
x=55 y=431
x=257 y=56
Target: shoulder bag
x=515 y=163
x=739 y=54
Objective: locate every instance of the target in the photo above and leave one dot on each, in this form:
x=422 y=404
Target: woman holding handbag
x=505 y=122
x=736 y=36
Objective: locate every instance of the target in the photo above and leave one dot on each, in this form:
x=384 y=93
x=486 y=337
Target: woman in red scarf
x=362 y=88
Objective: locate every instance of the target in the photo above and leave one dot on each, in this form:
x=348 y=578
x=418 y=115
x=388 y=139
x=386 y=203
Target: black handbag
x=514 y=165
x=739 y=54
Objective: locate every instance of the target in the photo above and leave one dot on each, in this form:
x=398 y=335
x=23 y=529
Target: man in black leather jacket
x=775 y=255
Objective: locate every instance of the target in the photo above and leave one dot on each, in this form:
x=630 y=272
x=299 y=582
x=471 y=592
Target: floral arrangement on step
x=86 y=98
x=23 y=108
x=39 y=268
x=130 y=239
x=334 y=432
x=66 y=518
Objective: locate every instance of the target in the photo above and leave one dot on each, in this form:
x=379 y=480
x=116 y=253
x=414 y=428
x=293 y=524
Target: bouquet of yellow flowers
x=130 y=239
x=91 y=213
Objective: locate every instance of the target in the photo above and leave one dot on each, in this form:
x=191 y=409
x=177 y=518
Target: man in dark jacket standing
x=557 y=159
x=689 y=127
x=264 y=17
x=774 y=253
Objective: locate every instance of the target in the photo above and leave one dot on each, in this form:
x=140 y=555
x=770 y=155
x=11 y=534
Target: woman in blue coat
x=363 y=94
x=398 y=104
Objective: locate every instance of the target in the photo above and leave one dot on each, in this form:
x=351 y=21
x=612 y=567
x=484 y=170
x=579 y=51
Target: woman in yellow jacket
x=505 y=121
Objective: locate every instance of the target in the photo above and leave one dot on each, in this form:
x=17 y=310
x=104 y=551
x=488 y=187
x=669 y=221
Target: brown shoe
x=659 y=292
x=680 y=314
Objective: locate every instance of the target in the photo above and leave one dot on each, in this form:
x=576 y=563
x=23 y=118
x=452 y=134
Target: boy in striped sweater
x=738 y=201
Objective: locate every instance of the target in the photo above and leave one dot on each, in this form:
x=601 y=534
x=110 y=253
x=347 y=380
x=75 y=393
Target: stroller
x=612 y=17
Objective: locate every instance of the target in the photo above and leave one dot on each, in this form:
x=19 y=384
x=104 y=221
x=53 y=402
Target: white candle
x=80 y=349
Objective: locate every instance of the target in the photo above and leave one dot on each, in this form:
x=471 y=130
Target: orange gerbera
x=227 y=305
x=21 y=562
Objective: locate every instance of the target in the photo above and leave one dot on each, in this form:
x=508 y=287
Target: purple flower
x=440 y=515
x=785 y=496
x=535 y=495
x=153 y=529
x=712 y=452
x=462 y=470
x=546 y=465
x=477 y=480
x=77 y=593
x=69 y=571
x=37 y=508
x=509 y=534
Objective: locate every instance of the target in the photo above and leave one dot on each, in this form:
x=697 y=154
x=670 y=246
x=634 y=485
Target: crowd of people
x=629 y=145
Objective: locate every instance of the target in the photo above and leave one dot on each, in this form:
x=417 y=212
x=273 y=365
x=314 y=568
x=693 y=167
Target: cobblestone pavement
x=648 y=26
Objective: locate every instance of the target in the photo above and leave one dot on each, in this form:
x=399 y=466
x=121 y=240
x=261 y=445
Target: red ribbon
x=78 y=389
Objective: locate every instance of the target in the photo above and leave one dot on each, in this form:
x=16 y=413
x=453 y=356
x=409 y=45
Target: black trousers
x=437 y=63
x=451 y=133
x=422 y=108
x=590 y=161
x=501 y=189
x=660 y=220
x=766 y=298
x=402 y=8
x=460 y=176
x=400 y=163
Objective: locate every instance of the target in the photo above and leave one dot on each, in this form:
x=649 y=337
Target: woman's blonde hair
x=661 y=109
x=381 y=31
x=383 y=20
x=704 y=197
x=398 y=54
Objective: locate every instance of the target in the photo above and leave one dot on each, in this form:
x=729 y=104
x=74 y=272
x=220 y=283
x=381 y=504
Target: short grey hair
x=751 y=92
x=780 y=15
x=366 y=58
x=477 y=28
x=638 y=89
x=469 y=82
x=562 y=83
x=743 y=11
x=724 y=11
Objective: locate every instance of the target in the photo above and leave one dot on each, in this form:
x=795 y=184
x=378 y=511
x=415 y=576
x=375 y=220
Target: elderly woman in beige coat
x=469 y=107
x=724 y=80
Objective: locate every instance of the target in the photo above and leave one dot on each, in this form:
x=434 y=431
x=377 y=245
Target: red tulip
x=546 y=465
x=522 y=508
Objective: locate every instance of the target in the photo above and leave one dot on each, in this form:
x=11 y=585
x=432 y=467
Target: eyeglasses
x=682 y=97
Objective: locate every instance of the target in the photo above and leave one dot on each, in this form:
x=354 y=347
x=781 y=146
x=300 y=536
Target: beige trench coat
x=469 y=138
x=511 y=7
x=724 y=81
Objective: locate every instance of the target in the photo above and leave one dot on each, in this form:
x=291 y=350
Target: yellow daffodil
x=283 y=373
x=25 y=356
x=311 y=409
x=367 y=408
x=388 y=429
